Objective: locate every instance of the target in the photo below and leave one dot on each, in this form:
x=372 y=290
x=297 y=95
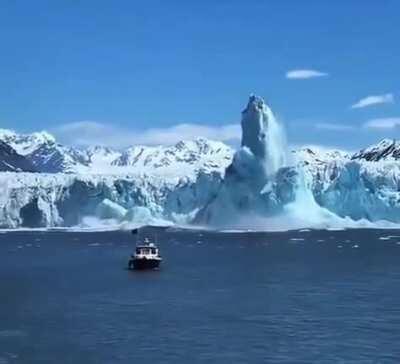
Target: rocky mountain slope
x=11 y=161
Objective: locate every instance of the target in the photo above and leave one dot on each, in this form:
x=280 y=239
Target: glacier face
x=359 y=190
x=50 y=200
x=200 y=182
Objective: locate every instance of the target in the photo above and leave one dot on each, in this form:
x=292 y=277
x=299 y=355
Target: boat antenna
x=136 y=233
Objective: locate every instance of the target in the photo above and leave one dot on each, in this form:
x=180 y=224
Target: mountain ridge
x=46 y=155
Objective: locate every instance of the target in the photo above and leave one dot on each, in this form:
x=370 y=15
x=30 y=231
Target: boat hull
x=144 y=264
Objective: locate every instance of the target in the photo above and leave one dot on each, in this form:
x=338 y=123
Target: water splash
x=263 y=135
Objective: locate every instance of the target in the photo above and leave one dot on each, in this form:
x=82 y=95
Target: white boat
x=146 y=256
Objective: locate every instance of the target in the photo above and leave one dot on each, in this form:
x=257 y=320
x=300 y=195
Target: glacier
x=262 y=185
x=51 y=200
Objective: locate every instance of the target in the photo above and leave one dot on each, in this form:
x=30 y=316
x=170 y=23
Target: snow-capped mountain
x=185 y=157
x=25 y=144
x=317 y=155
x=182 y=158
x=45 y=154
x=11 y=161
x=386 y=149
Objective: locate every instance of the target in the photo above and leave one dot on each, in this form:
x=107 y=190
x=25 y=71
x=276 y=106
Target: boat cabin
x=146 y=256
x=146 y=250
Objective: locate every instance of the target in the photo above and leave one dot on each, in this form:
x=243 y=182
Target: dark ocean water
x=294 y=297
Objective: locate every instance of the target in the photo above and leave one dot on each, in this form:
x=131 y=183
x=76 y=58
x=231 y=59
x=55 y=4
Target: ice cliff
x=49 y=200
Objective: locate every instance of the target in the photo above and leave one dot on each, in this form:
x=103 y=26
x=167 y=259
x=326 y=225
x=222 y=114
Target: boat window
x=145 y=250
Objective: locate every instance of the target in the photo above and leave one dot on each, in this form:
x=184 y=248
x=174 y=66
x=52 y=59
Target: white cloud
x=383 y=123
x=303 y=74
x=95 y=133
x=374 y=100
x=334 y=127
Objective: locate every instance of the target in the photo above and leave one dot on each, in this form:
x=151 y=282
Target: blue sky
x=116 y=71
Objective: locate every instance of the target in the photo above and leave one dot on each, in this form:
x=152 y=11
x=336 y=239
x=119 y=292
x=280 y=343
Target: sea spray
x=257 y=182
x=263 y=135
